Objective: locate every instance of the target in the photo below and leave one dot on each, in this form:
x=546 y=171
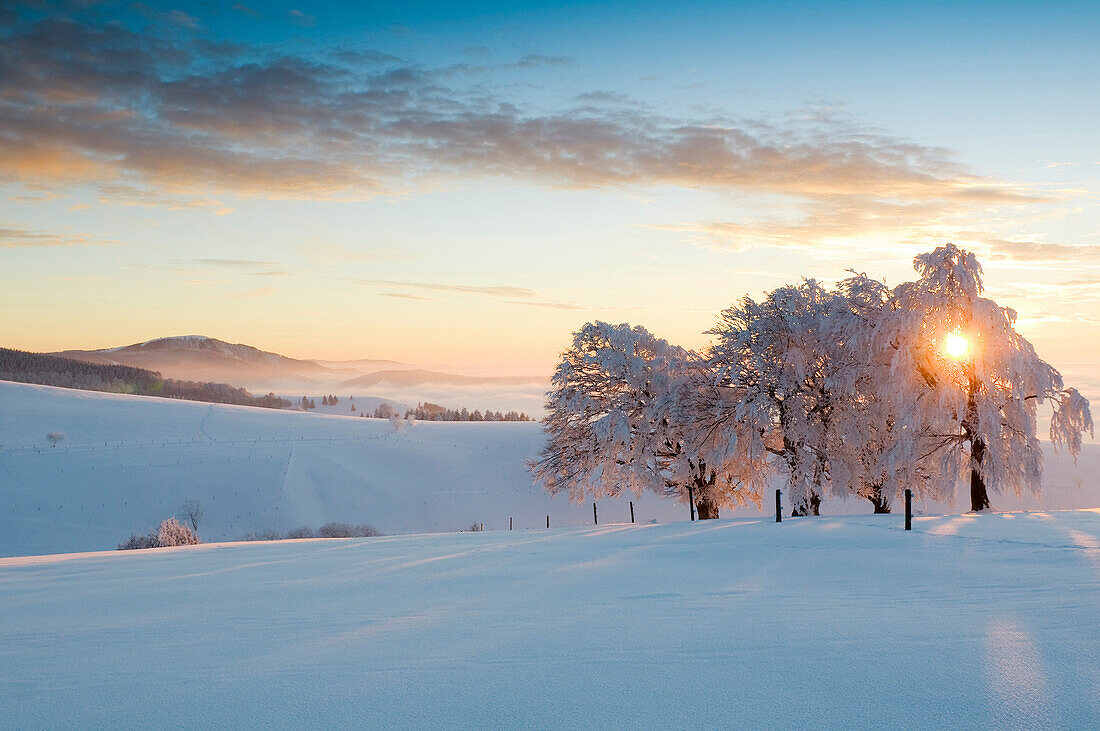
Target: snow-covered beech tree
x=966 y=385
x=780 y=356
x=870 y=440
x=628 y=412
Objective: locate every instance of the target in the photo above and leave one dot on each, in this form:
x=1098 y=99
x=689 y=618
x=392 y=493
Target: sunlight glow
x=956 y=346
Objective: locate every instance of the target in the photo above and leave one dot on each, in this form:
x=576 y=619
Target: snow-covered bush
x=304 y=532
x=55 y=438
x=171 y=532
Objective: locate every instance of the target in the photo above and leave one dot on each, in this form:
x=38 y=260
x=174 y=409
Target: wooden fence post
x=778 y=507
x=595 y=519
x=631 y=511
x=908 y=509
x=691 y=501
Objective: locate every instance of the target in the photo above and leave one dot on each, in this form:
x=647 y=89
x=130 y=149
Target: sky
x=466 y=184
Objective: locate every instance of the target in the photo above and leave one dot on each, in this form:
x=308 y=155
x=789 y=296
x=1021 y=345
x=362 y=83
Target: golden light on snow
x=956 y=346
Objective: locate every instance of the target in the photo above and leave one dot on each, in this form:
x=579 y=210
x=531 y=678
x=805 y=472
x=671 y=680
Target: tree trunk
x=879 y=500
x=979 y=497
x=706 y=508
x=809 y=507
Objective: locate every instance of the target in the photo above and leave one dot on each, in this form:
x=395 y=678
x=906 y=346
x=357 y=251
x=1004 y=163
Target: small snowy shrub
x=55 y=438
x=170 y=532
x=304 y=532
x=174 y=533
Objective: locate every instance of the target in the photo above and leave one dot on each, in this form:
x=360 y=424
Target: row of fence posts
x=908 y=508
x=778 y=509
x=595 y=516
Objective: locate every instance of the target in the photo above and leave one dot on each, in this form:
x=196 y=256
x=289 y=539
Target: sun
x=956 y=346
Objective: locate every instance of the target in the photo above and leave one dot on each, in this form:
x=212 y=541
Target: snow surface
x=130 y=461
x=974 y=621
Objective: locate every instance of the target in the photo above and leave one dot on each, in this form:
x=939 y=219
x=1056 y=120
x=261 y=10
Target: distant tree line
x=328 y=530
x=52 y=370
x=435 y=412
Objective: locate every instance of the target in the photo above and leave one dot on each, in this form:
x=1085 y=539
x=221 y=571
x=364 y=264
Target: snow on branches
x=857 y=390
x=624 y=414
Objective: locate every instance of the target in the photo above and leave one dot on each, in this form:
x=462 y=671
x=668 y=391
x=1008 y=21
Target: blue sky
x=468 y=183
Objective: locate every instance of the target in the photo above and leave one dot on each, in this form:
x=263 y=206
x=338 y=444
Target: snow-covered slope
x=127 y=462
x=967 y=622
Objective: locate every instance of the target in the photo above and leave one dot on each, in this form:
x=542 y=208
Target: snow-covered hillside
x=127 y=462
x=967 y=622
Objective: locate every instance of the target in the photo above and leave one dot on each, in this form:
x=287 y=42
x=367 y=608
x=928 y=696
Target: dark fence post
x=547 y=521
x=908 y=509
x=778 y=506
x=691 y=501
x=509 y=523
x=631 y=511
x=595 y=518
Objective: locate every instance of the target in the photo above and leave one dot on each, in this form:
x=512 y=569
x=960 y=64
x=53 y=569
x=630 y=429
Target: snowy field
x=128 y=462
x=969 y=621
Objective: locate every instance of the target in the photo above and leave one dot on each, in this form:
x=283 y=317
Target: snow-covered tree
x=965 y=378
x=781 y=355
x=622 y=416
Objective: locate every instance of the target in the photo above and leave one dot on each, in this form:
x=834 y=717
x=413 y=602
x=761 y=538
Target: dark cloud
x=182 y=116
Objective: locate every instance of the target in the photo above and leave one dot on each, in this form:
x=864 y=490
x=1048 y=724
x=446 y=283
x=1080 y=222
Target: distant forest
x=51 y=370
x=435 y=412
